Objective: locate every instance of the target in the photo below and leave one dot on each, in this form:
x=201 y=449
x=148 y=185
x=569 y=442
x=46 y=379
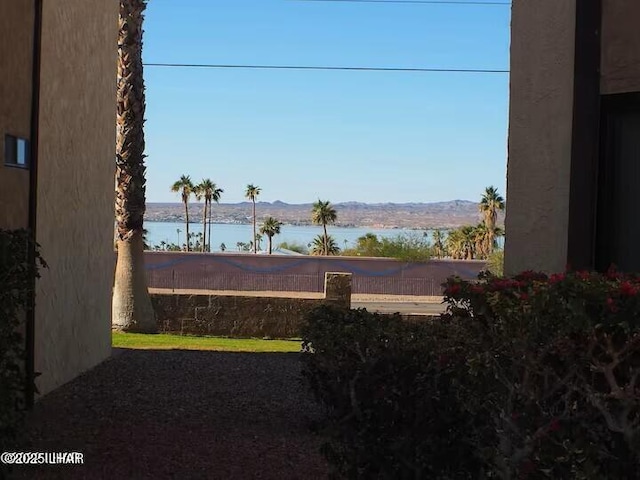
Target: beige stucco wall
x=16 y=54
x=540 y=129
x=75 y=187
x=620 y=60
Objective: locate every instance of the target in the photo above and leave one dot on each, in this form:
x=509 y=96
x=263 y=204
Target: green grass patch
x=186 y=342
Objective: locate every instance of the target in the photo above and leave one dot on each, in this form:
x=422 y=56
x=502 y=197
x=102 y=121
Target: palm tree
x=323 y=213
x=251 y=193
x=270 y=228
x=211 y=193
x=438 y=243
x=132 y=310
x=483 y=241
x=322 y=245
x=199 y=194
x=490 y=204
x=185 y=187
x=468 y=237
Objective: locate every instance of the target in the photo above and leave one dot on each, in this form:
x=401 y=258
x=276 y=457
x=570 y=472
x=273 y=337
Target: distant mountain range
x=448 y=214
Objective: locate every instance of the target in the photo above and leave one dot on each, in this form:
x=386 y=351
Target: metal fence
x=209 y=280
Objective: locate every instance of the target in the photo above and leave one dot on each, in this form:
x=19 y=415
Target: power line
x=428 y=2
x=322 y=67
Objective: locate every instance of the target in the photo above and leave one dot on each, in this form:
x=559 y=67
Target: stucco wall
x=16 y=47
x=301 y=273
x=75 y=187
x=540 y=129
x=620 y=60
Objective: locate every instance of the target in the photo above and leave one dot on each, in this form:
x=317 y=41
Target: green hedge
x=530 y=377
x=384 y=386
x=17 y=275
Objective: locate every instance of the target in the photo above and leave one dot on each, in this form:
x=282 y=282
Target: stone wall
x=244 y=316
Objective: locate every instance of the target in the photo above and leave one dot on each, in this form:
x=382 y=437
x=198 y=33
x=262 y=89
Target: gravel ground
x=181 y=414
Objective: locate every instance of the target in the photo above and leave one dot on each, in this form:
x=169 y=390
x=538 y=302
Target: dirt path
x=181 y=414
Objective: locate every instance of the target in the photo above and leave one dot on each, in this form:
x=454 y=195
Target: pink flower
x=611 y=303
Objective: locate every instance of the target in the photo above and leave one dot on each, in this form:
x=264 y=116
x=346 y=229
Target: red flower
x=583 y=275
x=612 y=274
x=452 y=289
x=611 y=303
x=554 y=426
x=627 y=289
x=556 y=277
x=477 y=289
x=524 y=296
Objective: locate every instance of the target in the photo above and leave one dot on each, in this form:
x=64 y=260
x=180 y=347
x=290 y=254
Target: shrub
x=408 y=247
x=526 y=377
x=495 y=262
x=558 y=359
x=390 y=403
x=16 y=288
x=294 y=247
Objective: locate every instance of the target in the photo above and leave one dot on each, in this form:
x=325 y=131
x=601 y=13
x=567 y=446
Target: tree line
x=468 y=242
x=323 y=213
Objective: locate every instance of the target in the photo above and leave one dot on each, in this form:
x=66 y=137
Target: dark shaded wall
x=16 y=58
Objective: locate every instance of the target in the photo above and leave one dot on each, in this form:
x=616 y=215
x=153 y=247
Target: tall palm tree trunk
x=255 y=246
x=209 y=236
x=325 y=239
x=132 y=310
x=270 y=239
x=186 y=211
x=204 y=227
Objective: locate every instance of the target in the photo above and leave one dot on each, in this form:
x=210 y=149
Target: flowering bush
x=526 y=377
x=558 y=357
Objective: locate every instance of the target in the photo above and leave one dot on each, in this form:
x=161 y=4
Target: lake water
x=231 y=234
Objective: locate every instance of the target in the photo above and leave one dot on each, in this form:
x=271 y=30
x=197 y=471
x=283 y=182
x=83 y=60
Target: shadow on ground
x=181 y=414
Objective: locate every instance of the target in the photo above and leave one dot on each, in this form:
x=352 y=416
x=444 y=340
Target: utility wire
x=320 y=67
x=429 y=2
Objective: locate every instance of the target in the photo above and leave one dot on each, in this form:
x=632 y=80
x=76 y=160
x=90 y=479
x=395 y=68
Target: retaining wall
x=241 y=316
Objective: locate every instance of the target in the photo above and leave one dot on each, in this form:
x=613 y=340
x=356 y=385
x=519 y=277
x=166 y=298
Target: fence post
x=173 y=280
x=337 y=289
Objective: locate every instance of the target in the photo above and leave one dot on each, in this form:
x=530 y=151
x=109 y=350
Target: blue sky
x=336 y=135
